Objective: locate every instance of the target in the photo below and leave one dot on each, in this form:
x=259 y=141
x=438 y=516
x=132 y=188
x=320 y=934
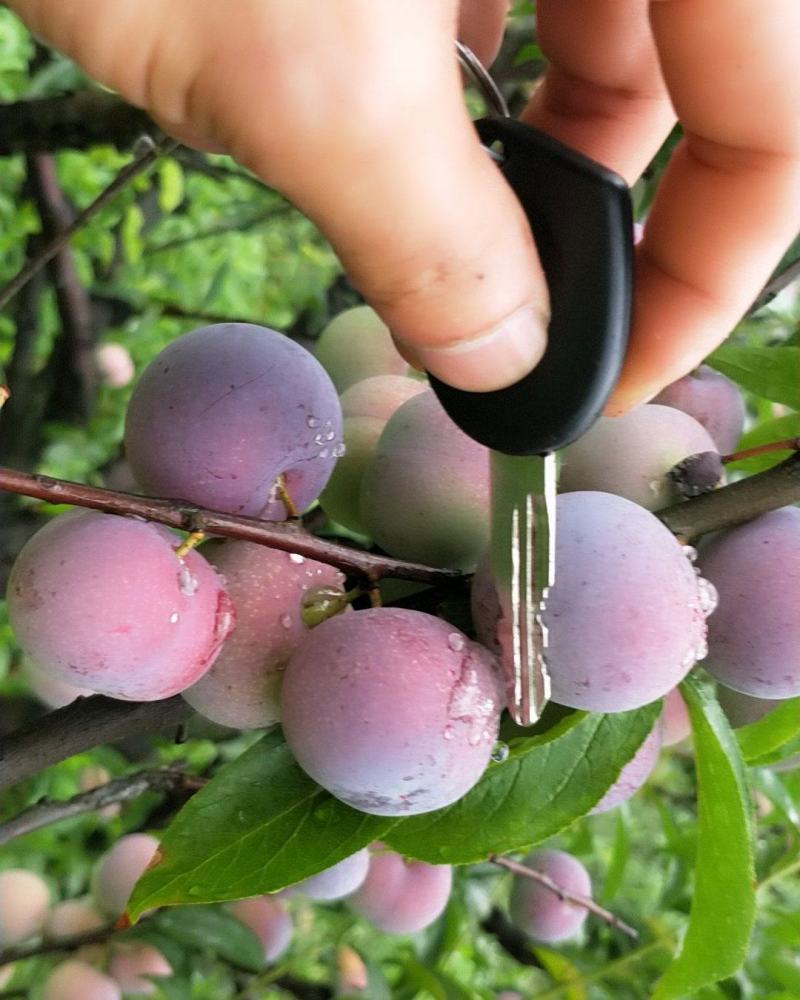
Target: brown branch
x=80 y=726
x=288 y=537
x=142 y=161
x=775 y=286
x=167 y=780
x=510 y=938
x=790 y=444
x=564 y=894
x=737 y=502
x=21 y=952
x=223 y=228
x=78 y=120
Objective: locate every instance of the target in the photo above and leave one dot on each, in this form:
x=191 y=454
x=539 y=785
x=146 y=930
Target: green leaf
x=259 y=825
x=170 y=185
x=779 y=429
x=131 y=233
x=723 y=901
x=620 y=852
x=563 y=972
x=761 y=741
x=212 y=930
x=771 y=372
x=546 y=783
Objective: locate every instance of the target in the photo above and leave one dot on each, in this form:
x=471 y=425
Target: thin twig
x=21 y=952
x=775 y=286
x=790 y=444
x=141 y=162
x=286 y=536
x=168 y=779
x=81 y=726
x=564 y=894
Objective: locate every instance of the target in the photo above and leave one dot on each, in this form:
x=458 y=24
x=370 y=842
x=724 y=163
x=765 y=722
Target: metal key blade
x=523 y=566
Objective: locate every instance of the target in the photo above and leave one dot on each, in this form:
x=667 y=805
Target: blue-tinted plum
x=634 y=774
x=24 y=900
x=743 y=709
x=626 y=616
x=393 y=711
x=338 y=881
x=269 y=920
x=356 y=345
x=223 y=411
x=675 y=724
x=266 y=587
x=104 y=602
x=754 y=636
x=76 y=980
x=425 y=492
x=132 y=965
x=400 y=896
x=713 y=400
x=538 y=911
x=70 y=917
x=118 y=871
x=631 y=455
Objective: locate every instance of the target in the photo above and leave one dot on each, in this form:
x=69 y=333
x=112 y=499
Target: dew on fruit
x=339 y=450
x=173 y=618
x=295 y=557
x=188 y=582
x=690 y=552
x=286 y=621
x=325 y=453
x=708 y=596
x=312 y=421
x=455 y=641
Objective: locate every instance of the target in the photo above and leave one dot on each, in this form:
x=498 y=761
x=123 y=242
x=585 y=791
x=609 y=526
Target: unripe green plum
x=269 y=920
x=118 y=871
x=425 y=492
x=634 y=774
x=713 y=400
x=24 y=900
x=541 y=913
x=71 y=917
x=400 y=896
x=75 y=980
x=266 y=586
x=356 y=345
x=632 y=454
x=131 y=963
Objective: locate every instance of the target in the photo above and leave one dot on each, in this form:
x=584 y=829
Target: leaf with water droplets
x=259 y=825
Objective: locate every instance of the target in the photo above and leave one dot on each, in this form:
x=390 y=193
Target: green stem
x=608 y=969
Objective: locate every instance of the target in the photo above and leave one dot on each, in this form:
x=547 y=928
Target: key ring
x=483 y=82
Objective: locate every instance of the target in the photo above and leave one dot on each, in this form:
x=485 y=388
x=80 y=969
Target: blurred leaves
x=770 y=372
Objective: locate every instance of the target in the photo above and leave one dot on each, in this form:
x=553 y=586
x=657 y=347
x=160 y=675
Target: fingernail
x=491 y=360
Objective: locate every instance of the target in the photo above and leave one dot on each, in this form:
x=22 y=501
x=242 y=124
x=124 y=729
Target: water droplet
x=500 y=752
x=318 y=439
x=295 y=557
x=708 y=596
x=286 y=621
x=690 y=552
x=195 y=890
x=173 y=618
x=325 y=453
x=330 y=435
x=455 y=641
x=188 y=583
x=322 y=813
x=312 y=421
x=339 y=449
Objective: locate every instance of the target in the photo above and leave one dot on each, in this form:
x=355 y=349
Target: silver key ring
x=479 y=76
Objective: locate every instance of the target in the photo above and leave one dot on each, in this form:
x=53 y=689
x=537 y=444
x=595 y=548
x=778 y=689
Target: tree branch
x=78 y=120
x=564 y=894
x=510 y=938
x=141 y=162
x=80 y=726
x=167 y=780
x=21 y=952
x=775 y=286
x=286 y=536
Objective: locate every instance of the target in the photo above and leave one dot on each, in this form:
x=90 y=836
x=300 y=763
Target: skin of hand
x=353 y=110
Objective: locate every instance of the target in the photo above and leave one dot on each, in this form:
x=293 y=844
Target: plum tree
x=425 y=492
x=70 y=917
x=104 y=602
x=366 y=407
x=269 y=920
x=400 y=896
x=754 y=637
x=393 y=711
x=51 y=691
x=713 y=400
x=338 y=881
x=626 y=616
x=225 y=410
x=119 y=869
x=76 y=980
x=634 y=774
x=538 y=911
x=356 y=345
x=114 y=365
x=24 y=900
x=632 y=454
x=266 y=587
x=131 y=963
x=675 y=724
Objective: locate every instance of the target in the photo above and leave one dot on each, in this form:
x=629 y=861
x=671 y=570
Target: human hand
x=354 y=111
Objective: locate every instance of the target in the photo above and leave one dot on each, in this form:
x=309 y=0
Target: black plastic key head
x=581 y=218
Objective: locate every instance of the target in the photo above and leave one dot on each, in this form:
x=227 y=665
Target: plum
x=51 y=691
x=118 y=871
x=713 y=400
x=24 y=900
x=269 y=920
x=76 y=980
x=132 y=965
x=225 y=410
x=266 y=587
x=114 y=364
x=392 y=711
x=400 y=896
x=356 y=345
x=338 y=881
x=634 y=774
x=541 y=913
x=70 y=917
x=675 y=724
